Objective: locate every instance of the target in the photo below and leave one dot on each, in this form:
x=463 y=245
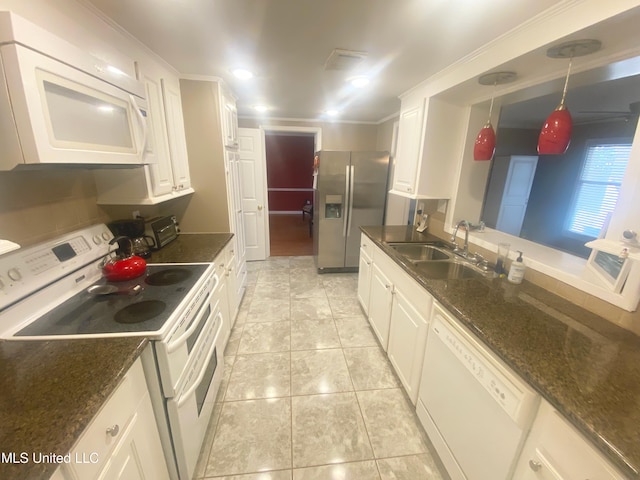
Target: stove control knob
x=14 y=274
x=97 y=240
x=106 y=236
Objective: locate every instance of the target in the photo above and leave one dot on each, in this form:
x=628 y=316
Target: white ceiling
x=286 y=42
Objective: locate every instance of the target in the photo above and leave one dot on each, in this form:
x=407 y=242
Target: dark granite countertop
x=51 y=390
x=192 y=248
x=585 y=366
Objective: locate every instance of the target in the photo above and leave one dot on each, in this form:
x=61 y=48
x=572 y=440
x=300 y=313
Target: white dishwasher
x=475 y=411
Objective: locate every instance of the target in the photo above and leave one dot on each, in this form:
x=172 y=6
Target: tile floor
x=308 y=393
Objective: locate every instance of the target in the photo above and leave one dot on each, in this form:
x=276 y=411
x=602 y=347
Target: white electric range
x=44 y=296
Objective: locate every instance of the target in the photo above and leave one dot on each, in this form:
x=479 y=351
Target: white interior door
x=515 y=198
x=253 y=179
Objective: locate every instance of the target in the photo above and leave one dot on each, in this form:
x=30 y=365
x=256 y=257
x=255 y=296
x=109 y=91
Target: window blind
x=598 y=187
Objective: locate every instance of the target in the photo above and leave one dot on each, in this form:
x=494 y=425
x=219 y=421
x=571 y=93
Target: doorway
x=289 y=153
x=289 y=165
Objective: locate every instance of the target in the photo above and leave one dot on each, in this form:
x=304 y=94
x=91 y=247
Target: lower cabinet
x=122 y=441
x=556 y=451
x=364 y=279
x=380 y=301
x=407 y=338
x=398 y=312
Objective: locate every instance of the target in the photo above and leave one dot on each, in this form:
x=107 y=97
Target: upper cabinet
x=168 y=177
x=408 y=150
x=428 y=147
x=229 y=119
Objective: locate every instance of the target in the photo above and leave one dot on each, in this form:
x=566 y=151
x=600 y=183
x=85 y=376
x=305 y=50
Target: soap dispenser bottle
x=516 y=272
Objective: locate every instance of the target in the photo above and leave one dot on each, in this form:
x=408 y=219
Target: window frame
x=590 y=143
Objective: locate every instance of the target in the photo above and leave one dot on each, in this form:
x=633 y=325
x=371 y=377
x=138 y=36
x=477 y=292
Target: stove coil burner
x=140 y=311
x=170 y=276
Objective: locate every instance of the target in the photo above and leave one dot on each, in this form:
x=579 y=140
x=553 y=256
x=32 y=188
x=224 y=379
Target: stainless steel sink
x=438 y=261
x=447 y=269
x=421 y=252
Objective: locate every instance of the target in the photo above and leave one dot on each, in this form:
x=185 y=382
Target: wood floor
x=289 y=235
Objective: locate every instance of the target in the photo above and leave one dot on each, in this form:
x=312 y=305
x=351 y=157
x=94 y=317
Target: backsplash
x=36 y=205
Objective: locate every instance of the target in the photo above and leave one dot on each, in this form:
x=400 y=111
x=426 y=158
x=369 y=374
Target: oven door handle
x=174 y=344
x=189 y=393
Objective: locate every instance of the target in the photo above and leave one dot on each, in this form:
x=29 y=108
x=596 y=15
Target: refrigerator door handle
x=352 y=170
x=345 y=212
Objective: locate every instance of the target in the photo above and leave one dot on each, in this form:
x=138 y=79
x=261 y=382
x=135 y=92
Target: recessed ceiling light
x=260 y=108
x=332 y=112
x=360 y=81
x=242 y=73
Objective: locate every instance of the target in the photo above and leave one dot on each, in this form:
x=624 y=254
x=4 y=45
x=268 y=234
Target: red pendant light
x=555 y=135
x=485 y=144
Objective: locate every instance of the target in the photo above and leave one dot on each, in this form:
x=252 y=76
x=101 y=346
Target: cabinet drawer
x=366 y=245
x=556 y=451
x=96 y=444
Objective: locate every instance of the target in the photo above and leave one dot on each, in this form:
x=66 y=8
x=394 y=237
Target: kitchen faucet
x=465 y=247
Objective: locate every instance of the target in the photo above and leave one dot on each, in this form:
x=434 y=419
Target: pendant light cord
x=493 y=95
x=566 y=81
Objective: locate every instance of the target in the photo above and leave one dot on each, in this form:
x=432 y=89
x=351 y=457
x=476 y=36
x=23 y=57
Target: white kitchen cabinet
x=176 y=134
x=235 y=275
x=408 y=149
x=554 y=450
x=380 y=304
x=364 y=273
x=221 y=294
x=429 y=147
x=122 y=441
x=229 y=119
x=169 y=177
x=398 y=312
x=236 y=221
x=408 y=334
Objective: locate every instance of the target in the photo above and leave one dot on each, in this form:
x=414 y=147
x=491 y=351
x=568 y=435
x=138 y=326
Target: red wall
x=289 y=165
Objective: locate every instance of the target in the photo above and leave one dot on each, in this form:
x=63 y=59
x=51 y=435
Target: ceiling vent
x=344 y=59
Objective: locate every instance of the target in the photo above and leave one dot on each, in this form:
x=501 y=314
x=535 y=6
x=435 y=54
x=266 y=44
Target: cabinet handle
x=113 y=430
x=535 y=466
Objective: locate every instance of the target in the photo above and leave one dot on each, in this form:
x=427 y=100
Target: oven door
x=190 y=410
x=174 y=352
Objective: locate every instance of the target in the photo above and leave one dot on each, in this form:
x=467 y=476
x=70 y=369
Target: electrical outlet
x=135 y=214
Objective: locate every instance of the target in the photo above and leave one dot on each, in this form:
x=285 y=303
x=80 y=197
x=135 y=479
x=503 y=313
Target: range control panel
x=26 y=270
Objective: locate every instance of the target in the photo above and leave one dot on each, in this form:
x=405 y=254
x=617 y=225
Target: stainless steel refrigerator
x=350 y=191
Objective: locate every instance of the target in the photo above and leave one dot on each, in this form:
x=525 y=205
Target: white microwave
x=59 y=105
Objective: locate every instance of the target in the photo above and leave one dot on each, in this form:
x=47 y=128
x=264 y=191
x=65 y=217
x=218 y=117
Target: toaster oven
x=162 y=229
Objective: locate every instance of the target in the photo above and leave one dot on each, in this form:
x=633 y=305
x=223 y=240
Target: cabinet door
x=554 y=450
x=232 y=283
x=407 y=158
x=407 y=340
x=160 y=172
x=229 y=121
x=176 y=135
x=364 y=280
x=381 y=296
x=138 y=454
